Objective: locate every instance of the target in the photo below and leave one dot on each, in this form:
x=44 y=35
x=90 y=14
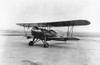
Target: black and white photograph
x=49 y=32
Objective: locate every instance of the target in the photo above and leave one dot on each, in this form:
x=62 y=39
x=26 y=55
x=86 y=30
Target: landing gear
x=31 y=43
x=46 y=45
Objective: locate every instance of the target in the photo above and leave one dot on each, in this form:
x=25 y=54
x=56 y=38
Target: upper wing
x=57 y=24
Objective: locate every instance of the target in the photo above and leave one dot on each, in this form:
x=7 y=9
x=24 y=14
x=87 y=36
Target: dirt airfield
x=14 y=50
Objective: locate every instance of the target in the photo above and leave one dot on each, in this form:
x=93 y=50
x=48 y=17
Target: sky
x=30 y=11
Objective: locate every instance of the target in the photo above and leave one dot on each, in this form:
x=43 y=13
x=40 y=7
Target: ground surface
x=15 y=51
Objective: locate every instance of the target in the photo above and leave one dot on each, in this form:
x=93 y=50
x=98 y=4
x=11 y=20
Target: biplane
x=43 y=31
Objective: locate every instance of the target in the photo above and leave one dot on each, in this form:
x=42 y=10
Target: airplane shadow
x=60 y=45
x=55 y=45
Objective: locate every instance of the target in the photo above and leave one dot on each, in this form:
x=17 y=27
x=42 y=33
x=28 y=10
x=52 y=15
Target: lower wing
x=61 y=38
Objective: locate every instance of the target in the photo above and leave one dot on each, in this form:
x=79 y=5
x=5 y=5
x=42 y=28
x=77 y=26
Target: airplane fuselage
x=40 y=34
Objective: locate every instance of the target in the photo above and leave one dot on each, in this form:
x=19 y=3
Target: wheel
x=46 y=45
x=31 y=43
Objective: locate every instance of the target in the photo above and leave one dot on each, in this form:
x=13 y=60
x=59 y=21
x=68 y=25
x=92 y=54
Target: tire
x=46 y=45
x=31 y=43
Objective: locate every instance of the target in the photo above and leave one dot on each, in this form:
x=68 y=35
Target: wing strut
x=26 y=30
x=70 y=31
